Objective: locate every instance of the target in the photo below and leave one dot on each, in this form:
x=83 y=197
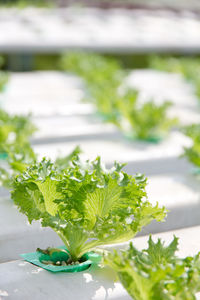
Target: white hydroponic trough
x=71 y=128
x=33 y=30
x=139 y=156
x=45 y=93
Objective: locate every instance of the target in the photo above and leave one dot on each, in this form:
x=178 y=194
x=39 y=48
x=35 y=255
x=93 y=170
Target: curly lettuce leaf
x=64 y=162
x=86 y=205
x=156 y=272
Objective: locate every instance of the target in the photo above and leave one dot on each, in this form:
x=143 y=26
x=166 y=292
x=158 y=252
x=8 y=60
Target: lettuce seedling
x=14 y=130
x=144 y=121
x=192 y=153
x=85 y=204
x=156 y=273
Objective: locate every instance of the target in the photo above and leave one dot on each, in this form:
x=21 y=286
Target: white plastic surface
x=113 y=148
x=45 y=93
x=54 y=129
x=21 y=280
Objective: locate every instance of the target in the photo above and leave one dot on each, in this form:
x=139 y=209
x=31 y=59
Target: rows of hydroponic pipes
x=89 y=206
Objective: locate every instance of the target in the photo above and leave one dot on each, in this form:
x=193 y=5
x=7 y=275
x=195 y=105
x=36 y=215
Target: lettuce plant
x=85 y=204
x=147 y=121
x=14 y=130
x=104 y=77
x=156 y=273
x=192 y=153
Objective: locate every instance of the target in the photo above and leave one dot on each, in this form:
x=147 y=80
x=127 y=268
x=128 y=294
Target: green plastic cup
x=38 y=258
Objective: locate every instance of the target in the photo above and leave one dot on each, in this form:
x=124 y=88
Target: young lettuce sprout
x=156 y=273
x=85 y=204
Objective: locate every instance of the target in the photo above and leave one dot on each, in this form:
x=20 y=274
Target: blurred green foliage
x=104 y=85
x=127 y=61
x=147 y=121
x=51 y=61
x=14 y=129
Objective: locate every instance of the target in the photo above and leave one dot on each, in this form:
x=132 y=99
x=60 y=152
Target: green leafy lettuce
x=85 y=204
x=156 y=273
x=147 y=121
x=192 y=153
x=104 y=78
x=63 y=162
